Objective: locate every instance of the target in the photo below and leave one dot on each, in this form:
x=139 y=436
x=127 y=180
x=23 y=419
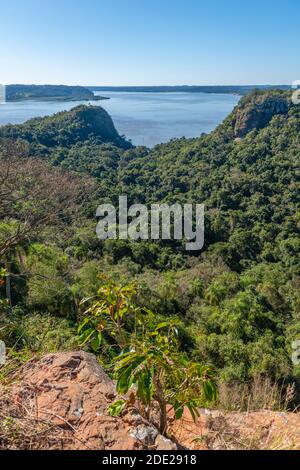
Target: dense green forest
x=237 y=303
x=49 y=92
x=231 y=89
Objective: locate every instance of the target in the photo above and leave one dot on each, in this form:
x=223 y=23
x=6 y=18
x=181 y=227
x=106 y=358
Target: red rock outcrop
x=61 y=401
x=256 y=111
x=71 y=393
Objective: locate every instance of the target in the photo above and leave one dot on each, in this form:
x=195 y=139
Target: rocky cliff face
x=256 y=111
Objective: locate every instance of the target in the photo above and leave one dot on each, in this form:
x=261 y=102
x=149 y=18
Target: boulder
x=70 y=392
x=60 y=402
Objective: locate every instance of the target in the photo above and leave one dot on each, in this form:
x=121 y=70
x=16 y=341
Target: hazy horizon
x=121 y=85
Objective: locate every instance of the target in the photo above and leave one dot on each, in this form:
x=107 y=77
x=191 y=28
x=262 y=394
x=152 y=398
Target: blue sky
x=149 y=42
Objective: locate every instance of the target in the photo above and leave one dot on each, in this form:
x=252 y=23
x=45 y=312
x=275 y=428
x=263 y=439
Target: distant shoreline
x=240 y=90
x=18 y=93
x=58 y=99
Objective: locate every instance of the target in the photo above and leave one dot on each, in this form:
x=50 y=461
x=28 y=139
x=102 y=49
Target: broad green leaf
x=82 y=325
x=115 y=409
x=146 y=385
x=96 y=342
x=86 y=336
x=179 y=412
x=161 y=325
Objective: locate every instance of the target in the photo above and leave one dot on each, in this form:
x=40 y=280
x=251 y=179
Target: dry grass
x=223 y=435
x=229 y=433
x=261 y=394
x=22 y=429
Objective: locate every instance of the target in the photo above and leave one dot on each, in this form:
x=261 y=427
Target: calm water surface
x=145 y=118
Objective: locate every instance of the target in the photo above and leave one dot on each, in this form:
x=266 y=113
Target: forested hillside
x=49 y=92
x=237 y=303
x=238 y=89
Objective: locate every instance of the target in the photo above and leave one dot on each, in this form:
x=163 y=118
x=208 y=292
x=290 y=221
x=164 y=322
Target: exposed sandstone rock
x=71 y=392
x=257 y=111
x=60 y=402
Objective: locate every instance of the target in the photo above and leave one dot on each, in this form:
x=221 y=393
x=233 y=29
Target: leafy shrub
x=147 y=362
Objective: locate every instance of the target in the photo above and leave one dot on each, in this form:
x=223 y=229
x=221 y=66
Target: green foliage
x=147 y=358
x=107 y=314
x=48 y=288
x=236 y=305
x=3 y=300
x=37 y=333
x=63 y=130
x=116 y=408
x=50 y=92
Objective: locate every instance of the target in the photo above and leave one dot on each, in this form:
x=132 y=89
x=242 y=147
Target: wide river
x=145 y=118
